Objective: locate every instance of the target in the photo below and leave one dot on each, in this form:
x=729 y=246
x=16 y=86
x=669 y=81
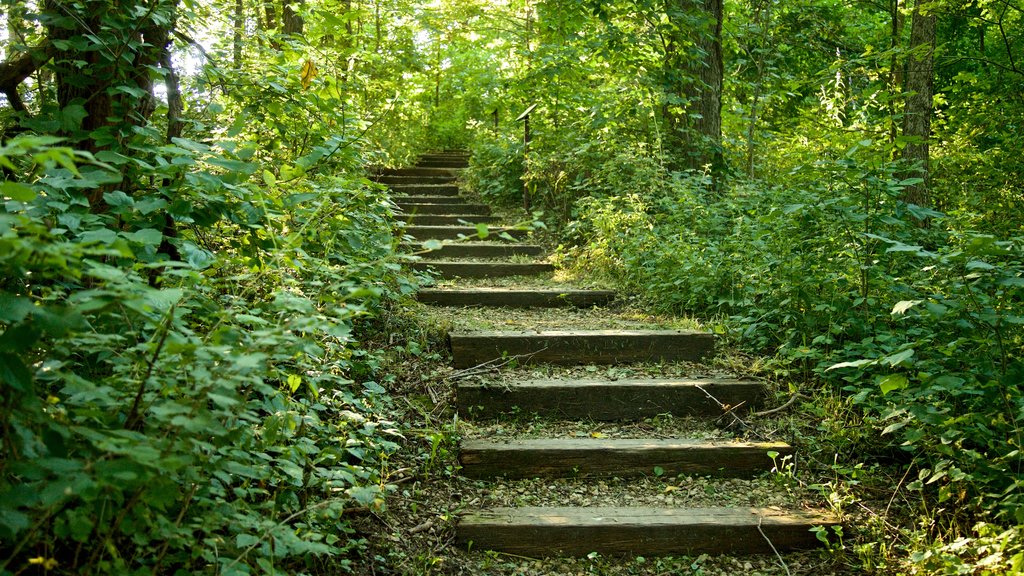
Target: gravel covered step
x=621 y=458
x=580 y=346
x=446 y=219
x=417 y=171
x=516 y=298
x=483 y=269
x=455 y=232
x=447 y=163
x=448 y=208
x=540 y=532
x=480 y=250
x=423 y=199
x=429 y=190
x=605 y=400
x=414 y=179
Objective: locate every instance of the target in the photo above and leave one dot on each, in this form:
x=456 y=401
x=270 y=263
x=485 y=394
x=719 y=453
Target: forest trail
x=495 y=285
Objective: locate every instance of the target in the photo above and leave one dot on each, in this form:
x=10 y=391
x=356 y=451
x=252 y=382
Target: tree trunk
x=292 y=22
x=239 y=29
x=917 y=117
x=693 y=110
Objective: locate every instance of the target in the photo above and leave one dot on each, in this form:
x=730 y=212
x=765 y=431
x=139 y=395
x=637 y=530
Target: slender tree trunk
x=693 y=109
x=291 y=21
x=895 y=70
x=239 y=30
x=917 y=117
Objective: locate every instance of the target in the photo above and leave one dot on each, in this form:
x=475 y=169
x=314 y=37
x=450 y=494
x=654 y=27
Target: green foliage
x=207 y=413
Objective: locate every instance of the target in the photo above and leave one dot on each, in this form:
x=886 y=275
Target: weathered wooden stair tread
x=418 y=171
x=448 y=269
x=455 y=232
x=426 y=190
x=615 y=457
x=580 y=346
x=516 y=298
x=446 y=219
x=419 y=180
x=480 y=250
x=423 y=199
x=540 y=532
x=444 y=209
x=606 y=400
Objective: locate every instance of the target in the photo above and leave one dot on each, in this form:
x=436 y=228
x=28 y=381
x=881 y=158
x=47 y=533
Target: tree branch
x=15 y=70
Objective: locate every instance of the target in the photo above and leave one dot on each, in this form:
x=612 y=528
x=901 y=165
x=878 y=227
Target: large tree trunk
x=693 y=112
x=292 y=22
x=917 y=117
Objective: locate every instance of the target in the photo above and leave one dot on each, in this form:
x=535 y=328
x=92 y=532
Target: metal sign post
x=525 y=119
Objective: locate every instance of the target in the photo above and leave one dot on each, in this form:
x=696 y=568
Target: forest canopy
x=195 y=270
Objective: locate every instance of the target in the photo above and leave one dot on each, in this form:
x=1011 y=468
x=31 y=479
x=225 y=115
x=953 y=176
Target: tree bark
x=917 y=117
x=693 y=111
x=292 y=22
x=239 y=28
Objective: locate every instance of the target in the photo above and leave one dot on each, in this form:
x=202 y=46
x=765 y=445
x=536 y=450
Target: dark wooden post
x=525 y=119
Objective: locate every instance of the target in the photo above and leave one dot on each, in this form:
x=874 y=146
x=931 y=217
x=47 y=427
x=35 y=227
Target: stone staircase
x=431 y=207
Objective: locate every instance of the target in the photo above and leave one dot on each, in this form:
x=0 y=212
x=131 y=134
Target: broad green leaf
x=482 y=231
x=147 y=236
x=902 y=306
x=892 y=382
x=898 y=358
x=14 y=373
x=433 y=245
x=853 y=364
x=17 y=191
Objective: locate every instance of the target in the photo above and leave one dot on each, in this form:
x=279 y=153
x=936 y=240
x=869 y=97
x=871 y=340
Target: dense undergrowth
x=914 y=319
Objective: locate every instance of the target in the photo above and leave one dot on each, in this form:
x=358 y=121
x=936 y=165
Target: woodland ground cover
x=201 y=298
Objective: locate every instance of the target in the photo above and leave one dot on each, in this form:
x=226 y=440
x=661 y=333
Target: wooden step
x=613 y=531
x=516 y=298
x=418 y=171
x=455 y=232
x=445 y=209
x=483 y=269
x=607 y=400
x=580 y=346
x=612 y=457
x=446 y=219
x=399 y=180
x=424 y=199
x=426 y=190
x=450 y=164
x=479 y=250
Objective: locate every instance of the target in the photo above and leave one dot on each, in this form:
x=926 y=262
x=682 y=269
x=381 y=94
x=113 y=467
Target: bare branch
x=15 y=70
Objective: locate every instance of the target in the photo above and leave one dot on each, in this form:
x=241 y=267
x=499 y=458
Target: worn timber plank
x=455 y=232
x=606 y=400
x=426 y=190
x=456 y=164
x=414 y=179
x=480 y=250
x=446 y=209
x=446 y=219
x=423 y=199
x=483 y=269
x=417 y=171
x=614 y=457
x=580 y=346
x=516 y=298
x=538 y=532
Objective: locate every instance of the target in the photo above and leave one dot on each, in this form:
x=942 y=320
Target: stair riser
x=426 y=190
x=441 y=220
x=607 y=401
x=448 y=164
x=444 y=209
x=449 y=270
x=454 y=232
x=521 y=299
x=470 y=350
x=483 y=251
x=413 y=180
x=580 y=532
x=424 y=199
x=431 y=171
x=583 y=459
